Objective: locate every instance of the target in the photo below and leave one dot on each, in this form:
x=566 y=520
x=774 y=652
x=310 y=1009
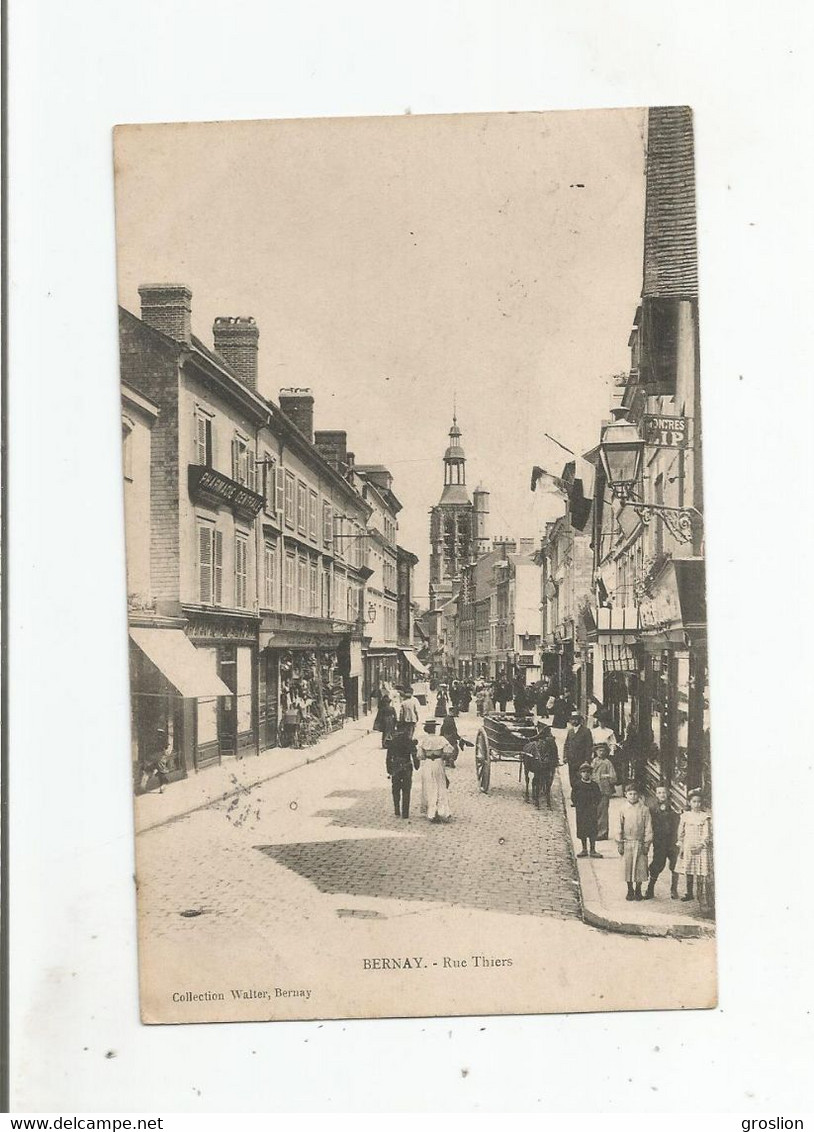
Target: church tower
x=452 y=525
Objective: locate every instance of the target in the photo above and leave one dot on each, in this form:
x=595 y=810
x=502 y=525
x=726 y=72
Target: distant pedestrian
x=635 y=835
x=694 y=839
x=540 y=759
x=441 y=704
x=386 y=720
x=521 y=700
x=449 y=731
x=401 y=759
x=501 y=695
x=604 y=775
x=665 y=838
x=433 y=753
x=579 y=748
x=488 y=701
x=408 y=712
x=563 y=707
x=464 y=698
x=585 y=796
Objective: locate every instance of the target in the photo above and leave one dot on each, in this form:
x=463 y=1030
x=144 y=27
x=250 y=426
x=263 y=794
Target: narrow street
x=318 y=855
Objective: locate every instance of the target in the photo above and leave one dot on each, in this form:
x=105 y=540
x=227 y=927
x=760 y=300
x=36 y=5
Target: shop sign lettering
x=665 y=432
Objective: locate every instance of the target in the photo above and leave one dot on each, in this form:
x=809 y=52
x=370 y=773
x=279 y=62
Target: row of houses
x=608 y=603
x=265 y=578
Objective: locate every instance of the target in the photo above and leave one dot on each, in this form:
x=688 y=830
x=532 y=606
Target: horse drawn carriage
x=501 y=739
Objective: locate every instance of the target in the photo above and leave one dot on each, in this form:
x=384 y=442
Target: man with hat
x=585 y=796
x=433 y=753
x=401 y=758
x=408 y=712
x=579 y=749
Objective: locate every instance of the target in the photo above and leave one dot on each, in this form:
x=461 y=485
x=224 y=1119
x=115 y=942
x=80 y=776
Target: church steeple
x=455 y=467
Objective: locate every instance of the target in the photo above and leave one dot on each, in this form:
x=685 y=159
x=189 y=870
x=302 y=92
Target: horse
x=538 y=761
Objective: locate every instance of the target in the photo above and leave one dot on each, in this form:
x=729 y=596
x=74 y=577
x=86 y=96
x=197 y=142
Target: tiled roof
x=670 y=256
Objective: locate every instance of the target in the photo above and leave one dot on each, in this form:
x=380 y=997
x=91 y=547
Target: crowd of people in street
x=650 y=835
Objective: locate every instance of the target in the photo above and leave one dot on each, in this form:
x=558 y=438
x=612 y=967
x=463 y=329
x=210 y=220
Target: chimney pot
x=298 y=406
x=167 y=307
x=236 y=339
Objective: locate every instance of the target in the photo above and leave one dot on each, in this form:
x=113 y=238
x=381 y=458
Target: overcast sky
x=392 y=262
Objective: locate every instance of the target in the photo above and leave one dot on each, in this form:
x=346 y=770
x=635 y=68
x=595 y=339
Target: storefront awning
x=191 y=673
x=415 y=663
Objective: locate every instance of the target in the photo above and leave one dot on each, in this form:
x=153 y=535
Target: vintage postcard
x=412 y=452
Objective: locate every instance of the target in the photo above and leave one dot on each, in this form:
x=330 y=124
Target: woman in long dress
x=433 y=754
x=694 y=837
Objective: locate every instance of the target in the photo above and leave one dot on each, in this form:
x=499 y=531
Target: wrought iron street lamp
x=621 y=450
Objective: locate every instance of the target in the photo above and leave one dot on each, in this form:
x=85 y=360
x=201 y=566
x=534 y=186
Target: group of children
x=682 y=841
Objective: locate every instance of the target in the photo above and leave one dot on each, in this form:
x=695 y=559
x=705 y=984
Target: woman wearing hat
x=433 y=753
x=694 y=838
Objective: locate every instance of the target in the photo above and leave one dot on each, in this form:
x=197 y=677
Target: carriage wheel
x=483 y=766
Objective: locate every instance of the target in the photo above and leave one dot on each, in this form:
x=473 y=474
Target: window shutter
x=235 y=473
x=218 y=567
x=280 y=491
x=205 y=564
x=200 y=439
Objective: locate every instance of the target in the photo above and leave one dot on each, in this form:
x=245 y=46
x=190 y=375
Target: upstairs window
x=210 y=565
x=269 y=575
x=302 y=508
x=289 y=499
x=241 y=571
x=243 y=467
x=203 y=438
x=313 y=504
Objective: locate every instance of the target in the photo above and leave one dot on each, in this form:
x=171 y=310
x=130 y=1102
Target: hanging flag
x=538 y=473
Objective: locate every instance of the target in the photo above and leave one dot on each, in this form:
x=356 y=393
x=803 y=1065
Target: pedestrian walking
x=501 y=695
x=401 y=760
x=408 y=712
x=386 y=719
x=433 y=753
x=634 y=839
x=464 y=698
x=441 y=704
x=449 y=731
x=694 y=838
x=579 y=748
x=563 y=707
x=488 y=701
x=585 y=796
x=604 y=775
x=665 y=838
x=521 y=700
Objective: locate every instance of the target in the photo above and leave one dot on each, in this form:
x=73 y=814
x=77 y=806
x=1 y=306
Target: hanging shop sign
x=525 y=661
x=665 y=432
x=661 y=607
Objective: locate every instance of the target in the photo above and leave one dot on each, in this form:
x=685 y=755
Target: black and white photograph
x=413 y=488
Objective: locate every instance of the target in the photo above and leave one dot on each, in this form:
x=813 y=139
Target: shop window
x=241 y=571
x=210 y=565
x=244 y=690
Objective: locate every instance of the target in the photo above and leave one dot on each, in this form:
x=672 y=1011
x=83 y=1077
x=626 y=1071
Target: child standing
x=586 y=797
x=634 y=840
x=694 y=837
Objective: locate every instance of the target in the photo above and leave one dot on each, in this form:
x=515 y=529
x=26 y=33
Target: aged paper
x=412 y=457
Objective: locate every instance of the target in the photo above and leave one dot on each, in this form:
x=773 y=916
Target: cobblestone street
x=318 y=854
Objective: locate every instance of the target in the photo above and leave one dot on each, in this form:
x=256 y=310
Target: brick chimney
x=298 y=406
x=333 y=448
x=236 y=342
x=167 y=307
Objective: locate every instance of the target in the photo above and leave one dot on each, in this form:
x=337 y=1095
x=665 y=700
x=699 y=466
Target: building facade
x=259 y=598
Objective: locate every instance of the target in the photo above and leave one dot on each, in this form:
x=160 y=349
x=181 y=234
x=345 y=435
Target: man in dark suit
x=579 y=748
x=665 y=834
x=401 y=758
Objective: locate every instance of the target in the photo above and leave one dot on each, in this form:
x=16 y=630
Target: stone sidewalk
x=237 y=776
x=603 y=891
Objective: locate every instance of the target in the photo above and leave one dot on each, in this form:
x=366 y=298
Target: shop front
x=383 y=667
x=615 y=664
x=226 y=727
x=673 y=691
x=306 y=672
x=171 y=682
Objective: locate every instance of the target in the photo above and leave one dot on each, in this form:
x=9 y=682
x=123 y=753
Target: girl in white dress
x=694 y=839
